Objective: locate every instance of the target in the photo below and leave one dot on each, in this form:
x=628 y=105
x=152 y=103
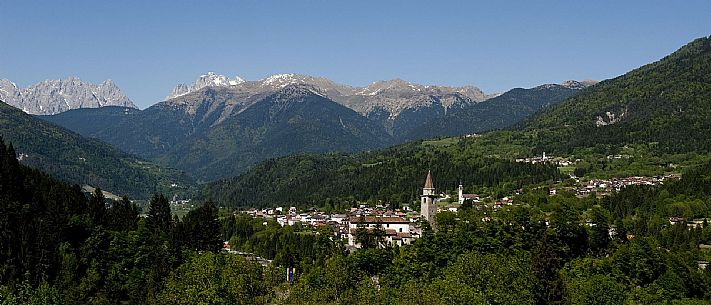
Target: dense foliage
x=69 y=156
x=58 y=246
x=289 y=246
x=61 y=247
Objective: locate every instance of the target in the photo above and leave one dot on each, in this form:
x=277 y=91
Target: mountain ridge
x=382 y=101
x=173 y=131
x=503 y=111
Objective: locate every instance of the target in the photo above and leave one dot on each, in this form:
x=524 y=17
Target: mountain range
x=56 y=96
x=295 y=119
x=499 y=112
x=660 y=109
x=397 y=105
x=220 y=126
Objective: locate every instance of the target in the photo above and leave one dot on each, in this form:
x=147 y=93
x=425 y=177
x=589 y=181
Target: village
x=602 y=187
x=401 y=226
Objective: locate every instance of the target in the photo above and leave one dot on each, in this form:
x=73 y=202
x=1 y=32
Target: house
x=396 y=229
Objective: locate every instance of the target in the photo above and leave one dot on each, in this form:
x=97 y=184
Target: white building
x=466 y=197
x=396 y=229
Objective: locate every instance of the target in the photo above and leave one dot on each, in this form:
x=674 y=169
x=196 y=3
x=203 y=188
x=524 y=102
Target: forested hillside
x=393 y=175
x=71 y=157
x=59 y=247
x=666 y=103
x=655 y=115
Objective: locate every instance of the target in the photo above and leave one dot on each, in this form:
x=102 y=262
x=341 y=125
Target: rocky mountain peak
x=210 y=79
x=282 y=80
x=54 y=96
x=382 y=101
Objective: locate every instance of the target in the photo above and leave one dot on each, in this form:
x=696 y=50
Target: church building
x=474 y=198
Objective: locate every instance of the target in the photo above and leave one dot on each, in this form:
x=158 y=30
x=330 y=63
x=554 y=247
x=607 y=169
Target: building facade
x=396 y=230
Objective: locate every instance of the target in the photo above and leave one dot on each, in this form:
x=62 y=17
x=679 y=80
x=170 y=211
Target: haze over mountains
x=55 y=96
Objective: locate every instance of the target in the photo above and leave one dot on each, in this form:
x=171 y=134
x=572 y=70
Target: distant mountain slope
x=401 y=106
x=666 y=103
x=396 y=104
x=158 y=129
x=56 y=96
x=499 y=112
x=71 y=157
x=294 y=120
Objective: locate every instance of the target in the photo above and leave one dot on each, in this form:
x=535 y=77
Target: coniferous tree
x=201 y=229
x=97 y=207
x=159 y=218
x=122 y=215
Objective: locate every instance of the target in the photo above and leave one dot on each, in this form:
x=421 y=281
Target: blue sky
x=147 y=47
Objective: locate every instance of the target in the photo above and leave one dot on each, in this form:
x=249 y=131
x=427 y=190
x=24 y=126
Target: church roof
x=428 y=181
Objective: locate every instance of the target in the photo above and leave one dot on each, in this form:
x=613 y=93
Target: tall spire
x=428 y=181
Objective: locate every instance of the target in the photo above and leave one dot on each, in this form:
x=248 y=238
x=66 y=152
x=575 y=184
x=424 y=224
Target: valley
x=300 y=189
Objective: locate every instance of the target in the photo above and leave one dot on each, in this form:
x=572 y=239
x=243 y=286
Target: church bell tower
x=427 y=206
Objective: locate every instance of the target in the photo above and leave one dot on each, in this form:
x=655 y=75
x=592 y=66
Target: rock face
x=574 y=84
x=55 y=96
